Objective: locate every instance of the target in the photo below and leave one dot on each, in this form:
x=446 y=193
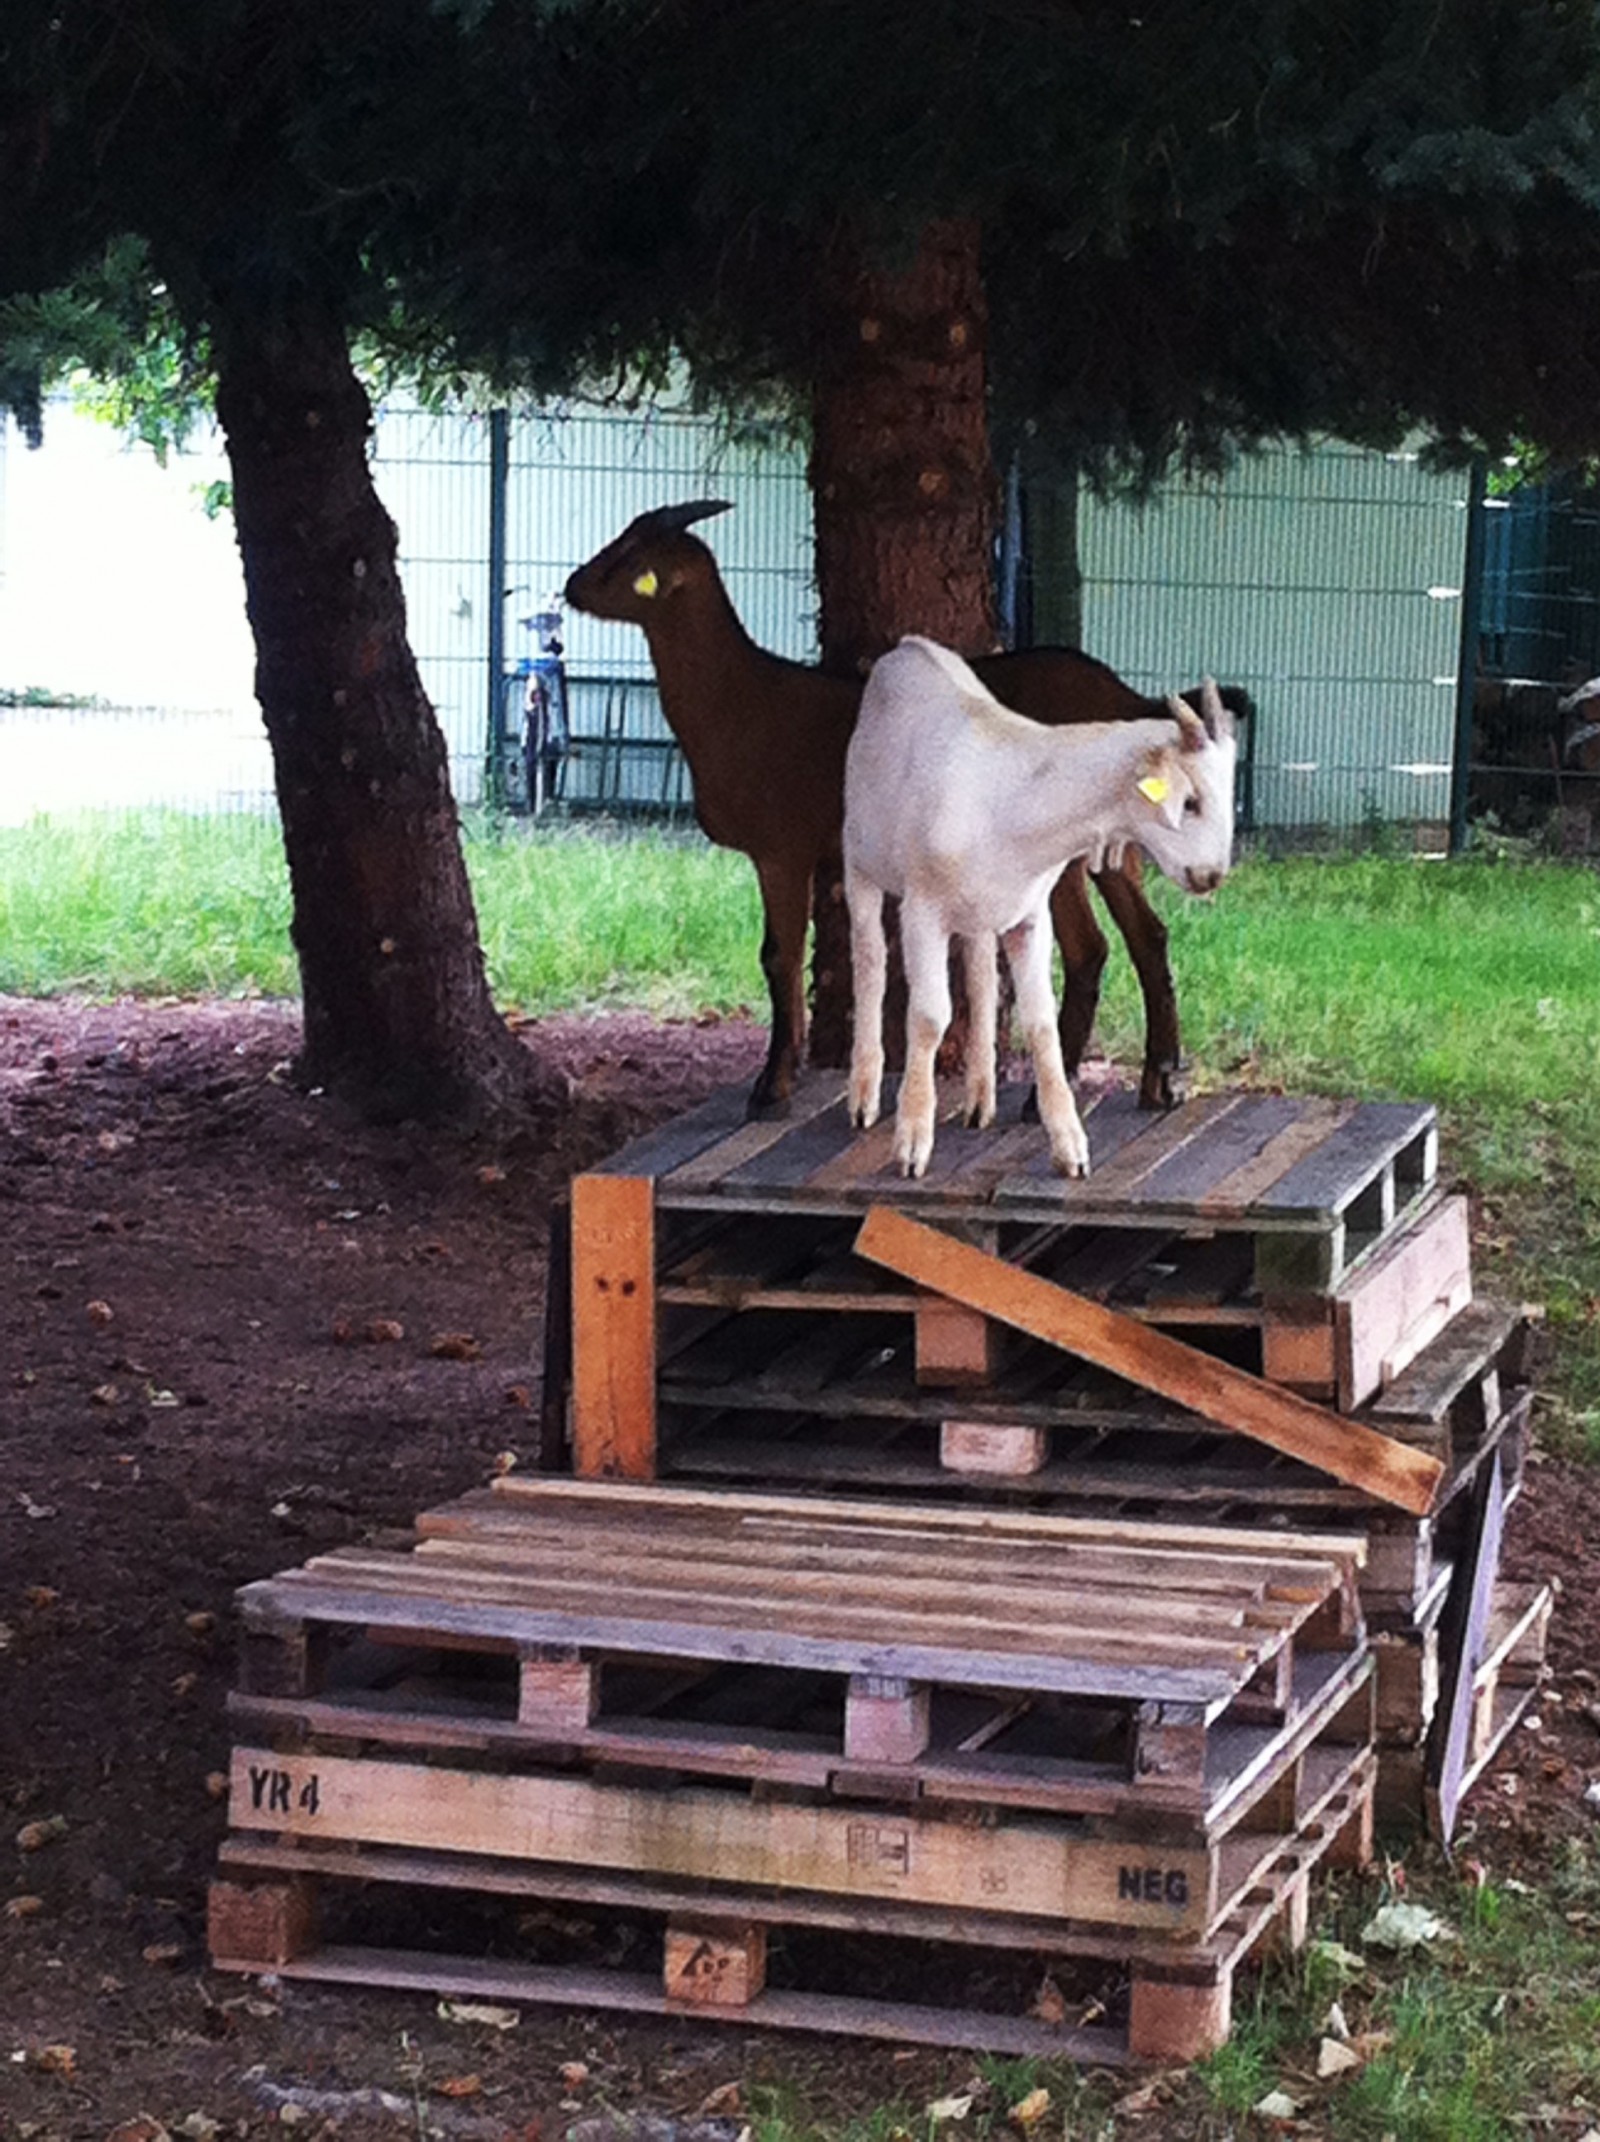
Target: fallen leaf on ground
x=57 y=2059
x=33 y=1836
x=106 y=1394
x=950 y=2108
x=460 y=2086
x=574 y=2074
x=1137 y=2101
x=726 y=2099
x=383 y=1331
x=1345 y=1962
x=162 y=1953
x=1334 y=2058
x=40 y=1596
x=480 y=2012
x=24 y=1907
x=1030 y=2110
x=1405 y=1926
x=100 y=1313
x=455 y=1346
x=1276 y=2105
x=216 y=1784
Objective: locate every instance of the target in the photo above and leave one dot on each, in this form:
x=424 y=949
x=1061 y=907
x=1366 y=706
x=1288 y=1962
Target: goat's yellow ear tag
x=1154 y=788
x=646 y=584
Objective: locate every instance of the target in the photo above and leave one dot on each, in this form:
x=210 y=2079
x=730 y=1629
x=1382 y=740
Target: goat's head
x=1184 y=807
x=638 y=575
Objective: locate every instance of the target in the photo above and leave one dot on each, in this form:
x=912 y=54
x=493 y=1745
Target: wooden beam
x=613 y=1327
x=1359 y=1456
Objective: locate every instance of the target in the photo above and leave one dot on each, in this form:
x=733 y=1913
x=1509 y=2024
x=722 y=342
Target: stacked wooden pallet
x=720 y=1276
x=1055 y=1568
x=1001 y=1730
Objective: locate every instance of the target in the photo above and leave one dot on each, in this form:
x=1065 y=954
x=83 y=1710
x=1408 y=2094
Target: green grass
x=1472 y=984
x=1472 y=2037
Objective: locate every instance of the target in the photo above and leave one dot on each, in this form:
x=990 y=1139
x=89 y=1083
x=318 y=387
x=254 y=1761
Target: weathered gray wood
x=1328 y=1181
x=1229 y=1143
x=1463 y=1641
x=659 y=1151
x=1212 y=1679
x=1469 y=1344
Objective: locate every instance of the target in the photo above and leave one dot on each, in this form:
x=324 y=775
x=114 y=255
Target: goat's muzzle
x=1203 y=881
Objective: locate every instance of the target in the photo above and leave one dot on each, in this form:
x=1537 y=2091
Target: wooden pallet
x=1343 y=1344
x=718 y=1262
x=266 y=1909
x=1130 y=1673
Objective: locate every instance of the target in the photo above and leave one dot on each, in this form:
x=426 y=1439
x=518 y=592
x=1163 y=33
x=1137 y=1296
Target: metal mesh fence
x=1328 y=584
x=1535 y=748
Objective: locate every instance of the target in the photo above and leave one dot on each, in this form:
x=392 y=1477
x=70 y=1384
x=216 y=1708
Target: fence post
x=494 y=763
x=1467 y=655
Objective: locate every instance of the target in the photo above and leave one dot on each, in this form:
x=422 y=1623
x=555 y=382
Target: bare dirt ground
x=190 y=1254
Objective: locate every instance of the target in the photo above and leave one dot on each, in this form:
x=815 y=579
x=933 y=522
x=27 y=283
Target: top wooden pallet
x=1314 y=1180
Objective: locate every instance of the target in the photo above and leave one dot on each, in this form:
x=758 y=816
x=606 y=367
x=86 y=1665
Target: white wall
x=112 y=581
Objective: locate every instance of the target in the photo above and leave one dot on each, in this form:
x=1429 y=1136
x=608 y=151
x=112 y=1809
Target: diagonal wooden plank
x=1381 y=1467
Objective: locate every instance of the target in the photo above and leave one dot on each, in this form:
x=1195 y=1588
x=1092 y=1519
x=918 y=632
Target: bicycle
x=536 y=732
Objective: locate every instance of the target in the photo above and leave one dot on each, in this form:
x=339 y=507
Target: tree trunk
x=905 y=499
x=398 y=1017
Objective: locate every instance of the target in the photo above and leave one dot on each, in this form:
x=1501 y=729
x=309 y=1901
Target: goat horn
x=668 y=520
x=1218 y=721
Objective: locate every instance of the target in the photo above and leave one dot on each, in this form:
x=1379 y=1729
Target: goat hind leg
x=979 y=955
x=1027 y=949
x=925 y=943
x=869 y=966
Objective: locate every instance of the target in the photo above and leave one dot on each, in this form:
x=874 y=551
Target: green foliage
x=113 y=335
x=1199 y=230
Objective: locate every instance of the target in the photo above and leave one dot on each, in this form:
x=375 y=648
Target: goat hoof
x=1164 y=1088
x=766 y=1107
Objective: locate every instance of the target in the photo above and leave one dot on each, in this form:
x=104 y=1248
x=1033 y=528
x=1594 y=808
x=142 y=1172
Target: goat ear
x=1191 y=729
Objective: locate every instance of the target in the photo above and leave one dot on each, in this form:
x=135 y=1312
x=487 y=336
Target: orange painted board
x=613 y=1327
x=1378 y=1465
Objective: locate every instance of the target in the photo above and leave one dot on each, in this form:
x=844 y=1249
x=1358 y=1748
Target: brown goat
x=765 y=740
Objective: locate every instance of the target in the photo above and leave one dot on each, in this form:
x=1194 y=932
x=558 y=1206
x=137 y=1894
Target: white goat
x=969 y=814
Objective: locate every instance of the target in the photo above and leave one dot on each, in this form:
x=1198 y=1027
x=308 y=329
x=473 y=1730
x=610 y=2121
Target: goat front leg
x=786 y=908
x=1145 y=934
x=1027 y=949
x=869 y=966
x=979 y=957
x=925 y=945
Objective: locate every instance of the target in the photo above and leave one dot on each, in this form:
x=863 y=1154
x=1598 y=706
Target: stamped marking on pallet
x=1045 y=1870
